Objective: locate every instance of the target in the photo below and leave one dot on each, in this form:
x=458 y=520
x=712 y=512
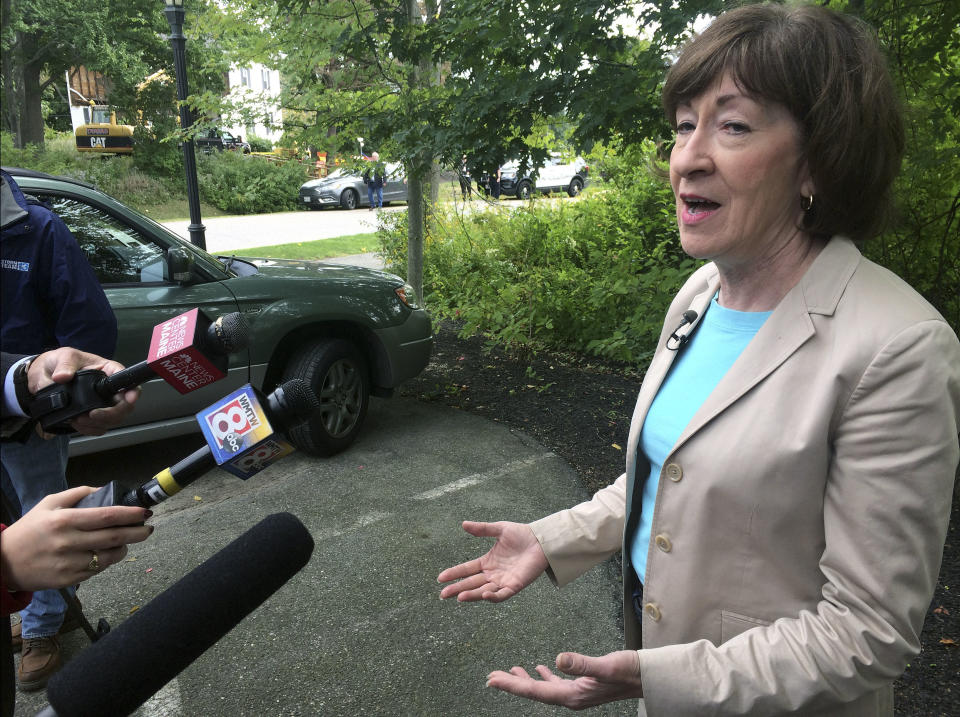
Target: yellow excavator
x=103 y=134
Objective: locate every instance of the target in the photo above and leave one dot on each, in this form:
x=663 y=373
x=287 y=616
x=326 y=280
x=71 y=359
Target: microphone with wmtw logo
x=244 y=432
x=188 y=351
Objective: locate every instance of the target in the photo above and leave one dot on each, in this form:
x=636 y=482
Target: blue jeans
x=31 y=471
x=375 y=193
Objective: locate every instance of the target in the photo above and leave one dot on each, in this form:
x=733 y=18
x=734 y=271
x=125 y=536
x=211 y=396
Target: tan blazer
x=801 y=516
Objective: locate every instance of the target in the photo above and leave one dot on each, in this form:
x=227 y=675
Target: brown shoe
x=70 y=623
x=40 y=659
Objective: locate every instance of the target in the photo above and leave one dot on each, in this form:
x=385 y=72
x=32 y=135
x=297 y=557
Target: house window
x=245 y=77
x=265 y=75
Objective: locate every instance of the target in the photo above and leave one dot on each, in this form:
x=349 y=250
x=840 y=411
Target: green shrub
x=596 y=275
x=153 y=155
x=243 y=184
x=259 y=144
x=116 y=175
x=58 y=155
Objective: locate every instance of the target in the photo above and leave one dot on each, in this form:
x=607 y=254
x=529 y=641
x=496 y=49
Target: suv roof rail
x=20 y=172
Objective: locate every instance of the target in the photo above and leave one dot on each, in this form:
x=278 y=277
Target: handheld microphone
x=242 y=438
x=188 y=352
x=689 y=316
x=119 y=672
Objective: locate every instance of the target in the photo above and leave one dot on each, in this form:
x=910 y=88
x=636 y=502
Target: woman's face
x=737 y=174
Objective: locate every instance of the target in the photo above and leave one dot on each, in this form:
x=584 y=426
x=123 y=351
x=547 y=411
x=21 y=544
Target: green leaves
x=596 y=275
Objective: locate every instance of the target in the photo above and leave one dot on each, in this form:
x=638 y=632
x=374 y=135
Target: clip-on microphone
x=689 y=316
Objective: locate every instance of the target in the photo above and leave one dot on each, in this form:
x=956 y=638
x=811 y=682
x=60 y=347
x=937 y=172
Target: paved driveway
x=360 y=630
x=237 y=233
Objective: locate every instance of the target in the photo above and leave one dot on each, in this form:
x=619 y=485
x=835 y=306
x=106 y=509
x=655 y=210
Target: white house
x=257 y=87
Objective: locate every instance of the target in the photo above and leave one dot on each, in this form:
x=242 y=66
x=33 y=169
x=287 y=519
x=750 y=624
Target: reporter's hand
x=61 y=365
x=52 y=545
x=514 y=561
x=609 y=678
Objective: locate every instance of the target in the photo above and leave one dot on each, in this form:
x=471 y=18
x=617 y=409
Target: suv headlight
x=408 y=296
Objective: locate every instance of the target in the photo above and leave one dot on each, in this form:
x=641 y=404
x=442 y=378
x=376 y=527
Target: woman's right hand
x=514 y=561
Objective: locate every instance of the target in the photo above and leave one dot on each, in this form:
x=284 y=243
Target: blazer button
x=663 y=542
x=674 y=472
x=652 y=611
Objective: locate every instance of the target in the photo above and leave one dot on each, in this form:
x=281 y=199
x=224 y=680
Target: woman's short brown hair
x=828 y=70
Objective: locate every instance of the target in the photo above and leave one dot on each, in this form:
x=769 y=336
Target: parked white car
x=555 y=176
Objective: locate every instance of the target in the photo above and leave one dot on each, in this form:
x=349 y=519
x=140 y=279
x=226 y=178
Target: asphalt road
x=360 y=630
x=237 y=233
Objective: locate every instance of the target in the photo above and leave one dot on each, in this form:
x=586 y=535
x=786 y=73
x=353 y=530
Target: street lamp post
x=174 y=11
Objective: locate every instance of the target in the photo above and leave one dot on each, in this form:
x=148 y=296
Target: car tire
x=337 y=372
x=576 y=184
x=524 y=190
x=349 y=199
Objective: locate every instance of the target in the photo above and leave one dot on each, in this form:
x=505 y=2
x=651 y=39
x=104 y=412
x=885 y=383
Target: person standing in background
x=463 y=174
x=374 y=179
x=51 y=298
x=495 y=184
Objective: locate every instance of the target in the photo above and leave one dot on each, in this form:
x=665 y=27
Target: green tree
x=425 y=82
x=922 y=40
x=42 y=39
x=428 y=81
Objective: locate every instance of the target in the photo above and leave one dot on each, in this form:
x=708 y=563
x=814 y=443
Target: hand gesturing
x=599 y=680
x=514 y=561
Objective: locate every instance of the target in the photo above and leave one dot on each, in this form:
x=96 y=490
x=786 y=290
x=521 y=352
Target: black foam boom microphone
x=119 y=672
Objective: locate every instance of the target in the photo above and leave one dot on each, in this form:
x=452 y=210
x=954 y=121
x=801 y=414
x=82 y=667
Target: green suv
x=349 y=332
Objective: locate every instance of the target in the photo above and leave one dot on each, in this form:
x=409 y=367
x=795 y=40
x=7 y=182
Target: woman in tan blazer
x=794 y=444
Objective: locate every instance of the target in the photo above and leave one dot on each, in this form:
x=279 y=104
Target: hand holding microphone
x=188 y=352
x=243 y=432
x=54 y=546
x=60 y=366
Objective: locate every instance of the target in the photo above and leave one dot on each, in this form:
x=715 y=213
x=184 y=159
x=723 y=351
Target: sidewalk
x=237 y=233
x=360 y=630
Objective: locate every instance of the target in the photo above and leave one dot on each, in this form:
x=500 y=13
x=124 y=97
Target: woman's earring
x=806 y=203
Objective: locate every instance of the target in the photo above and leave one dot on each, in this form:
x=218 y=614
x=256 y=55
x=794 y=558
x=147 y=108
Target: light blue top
x=716 y=343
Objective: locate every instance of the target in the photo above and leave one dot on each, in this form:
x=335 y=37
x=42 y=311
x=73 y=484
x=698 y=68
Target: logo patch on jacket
x=15 y=265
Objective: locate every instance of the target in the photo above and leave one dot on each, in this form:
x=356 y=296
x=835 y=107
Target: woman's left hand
x=599 y=680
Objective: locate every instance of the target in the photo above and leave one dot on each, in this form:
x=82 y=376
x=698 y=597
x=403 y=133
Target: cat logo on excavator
x=103 y=134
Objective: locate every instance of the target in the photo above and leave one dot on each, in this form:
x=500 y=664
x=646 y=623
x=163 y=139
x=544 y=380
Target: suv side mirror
x=179 y=264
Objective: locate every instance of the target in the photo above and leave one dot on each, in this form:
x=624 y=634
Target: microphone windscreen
x=120 y=671
x=229 y=334
x=292 y=403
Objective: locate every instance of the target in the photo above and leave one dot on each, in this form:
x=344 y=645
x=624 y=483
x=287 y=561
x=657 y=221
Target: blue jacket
x=374 y=178
x=51 y=296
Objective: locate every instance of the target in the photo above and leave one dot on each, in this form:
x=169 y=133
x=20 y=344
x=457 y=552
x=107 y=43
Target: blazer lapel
x=787 y=329
x=656 y=373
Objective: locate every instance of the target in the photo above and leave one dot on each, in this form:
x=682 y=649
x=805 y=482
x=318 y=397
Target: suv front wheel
x=524 y=190
x=576 y=184
x=337 y=372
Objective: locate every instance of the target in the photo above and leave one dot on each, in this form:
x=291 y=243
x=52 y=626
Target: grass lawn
x=173 y=209
x=318 y=249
